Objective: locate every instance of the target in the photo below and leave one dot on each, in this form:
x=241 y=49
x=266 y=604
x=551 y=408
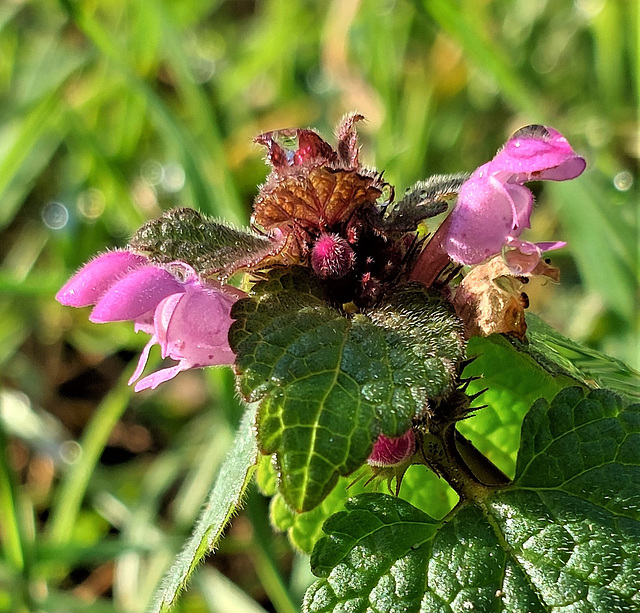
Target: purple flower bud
x=88 y=285
x=391 y=451
x=332 y=257
x=493 y=205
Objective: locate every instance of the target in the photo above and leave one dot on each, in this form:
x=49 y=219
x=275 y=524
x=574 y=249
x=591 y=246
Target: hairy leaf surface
x=208 y=245
x=329 y=384
x=565 y=537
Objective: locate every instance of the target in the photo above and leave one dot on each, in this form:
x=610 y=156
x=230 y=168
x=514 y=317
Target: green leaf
x=558 y=354
x=564 y=537
x=424 y=200
x=224 y=500
x=266 y=476
x=588 y=447
x=330 y=384
x=209 y=246
x=513 y=381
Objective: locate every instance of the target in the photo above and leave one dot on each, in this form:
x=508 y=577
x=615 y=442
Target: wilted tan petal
x=489 y=300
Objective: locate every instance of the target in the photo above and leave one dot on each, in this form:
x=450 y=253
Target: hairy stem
x=459 y=463
x=483 y=468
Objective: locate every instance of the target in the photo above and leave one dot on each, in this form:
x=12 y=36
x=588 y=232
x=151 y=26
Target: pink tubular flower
x=188 y=318
x=494 y=207
x=392 y=451
x=96 y=276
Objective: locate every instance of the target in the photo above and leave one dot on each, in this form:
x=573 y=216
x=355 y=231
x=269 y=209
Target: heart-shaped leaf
x=564 y=537
x=330 y=384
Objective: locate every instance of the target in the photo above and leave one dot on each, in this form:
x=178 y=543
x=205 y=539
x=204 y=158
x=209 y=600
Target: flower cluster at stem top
x=322 y=209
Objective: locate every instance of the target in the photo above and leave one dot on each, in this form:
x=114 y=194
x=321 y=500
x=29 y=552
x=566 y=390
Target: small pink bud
x=332 y=257
x=391 y=451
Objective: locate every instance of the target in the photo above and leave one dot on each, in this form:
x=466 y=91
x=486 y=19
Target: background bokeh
x=111 y=112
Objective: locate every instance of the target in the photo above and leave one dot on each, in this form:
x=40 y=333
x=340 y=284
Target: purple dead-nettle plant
x=352 y=331
x=321 y=211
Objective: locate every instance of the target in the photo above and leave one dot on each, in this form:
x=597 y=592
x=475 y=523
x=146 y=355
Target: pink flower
x=96 y=276
x=392 y=451
x=187 y=317
x=494 y=207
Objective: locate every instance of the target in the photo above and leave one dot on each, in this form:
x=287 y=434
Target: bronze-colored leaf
x=315 y=199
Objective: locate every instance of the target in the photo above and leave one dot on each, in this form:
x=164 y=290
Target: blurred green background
x=111 y=112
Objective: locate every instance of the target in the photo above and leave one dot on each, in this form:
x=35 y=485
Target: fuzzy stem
x=459 y=463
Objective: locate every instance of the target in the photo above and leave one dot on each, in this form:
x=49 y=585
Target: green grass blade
x=464 y=28
x=604 y=245
x=222 y=595
x=12 y=542
x=74 y=483
x=225 y=193
x=19 y=142
x=266 y=565
x=192 y=154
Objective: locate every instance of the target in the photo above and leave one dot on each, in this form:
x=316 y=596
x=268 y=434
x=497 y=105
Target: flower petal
x=142 y=362
x=481 y=224
x=537 y=152
x=522 y=199
x=136 y=294
x=522 y=257
x=89 y=284
x=551 y=246
x=161 y=376
x=199 y=326
x=144 y=323
x=191 y=327
x=162 y=318
x=482 y=219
